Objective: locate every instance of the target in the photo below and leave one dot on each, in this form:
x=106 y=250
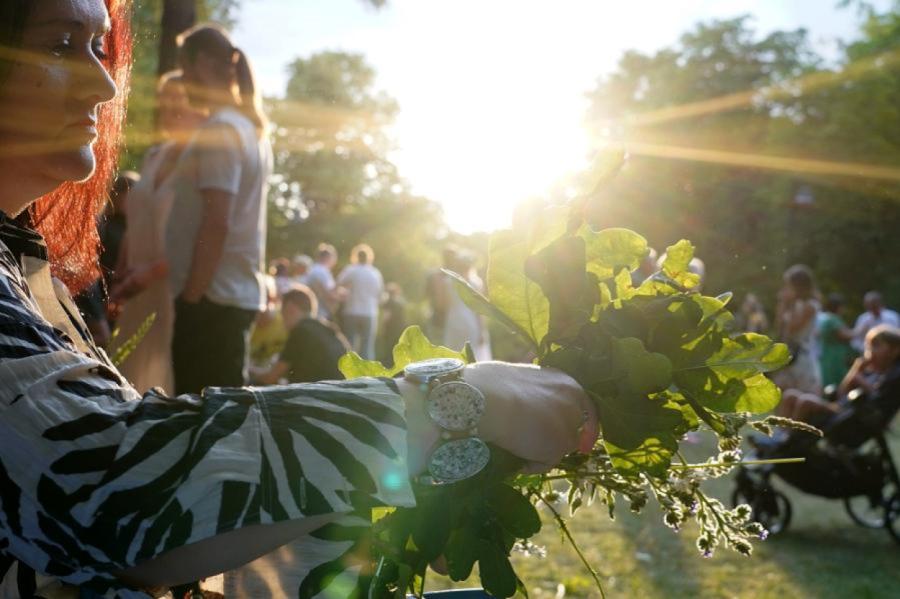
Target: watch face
x=435 y=367
x=455 y=406
x=459 y=459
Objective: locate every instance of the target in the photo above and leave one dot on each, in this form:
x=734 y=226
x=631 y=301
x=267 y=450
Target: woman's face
x=176 y=115
x=50 y=99
x=788 y=292
x=881 y=355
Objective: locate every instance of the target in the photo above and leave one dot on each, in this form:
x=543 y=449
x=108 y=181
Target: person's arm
x=844 y=333
x=148 y=490
x=439 y=295
x=210 y=243
x=853 y=377
x=271 y=375
x=218 y=179
x=795 y=321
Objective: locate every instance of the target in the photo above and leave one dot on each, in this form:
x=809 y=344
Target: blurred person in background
x=321 y=280
x=646 y=269
x=876 y=313
x=280 y=270
x=393 y=322
x=93 y=302
x=217 y=229
x=436 y=292
x=462 y=324
x=269 y=334
x=751 y=316
x=876 y=375
x=144 y=280
x=313 y=346
x=300 y=265
x=795 y=323
x=364 y=286
x=834 y=341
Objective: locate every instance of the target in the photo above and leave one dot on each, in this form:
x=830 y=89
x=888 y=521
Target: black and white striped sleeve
x=95 y=478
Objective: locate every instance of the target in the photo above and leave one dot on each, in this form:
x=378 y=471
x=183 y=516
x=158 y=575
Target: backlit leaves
x=658 y=361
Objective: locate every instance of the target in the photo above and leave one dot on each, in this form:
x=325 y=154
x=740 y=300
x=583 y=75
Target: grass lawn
x=822 y=555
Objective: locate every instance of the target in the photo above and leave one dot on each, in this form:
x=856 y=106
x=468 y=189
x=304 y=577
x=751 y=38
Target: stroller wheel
x=892 y=519
x=771 y=508
x=866 y=511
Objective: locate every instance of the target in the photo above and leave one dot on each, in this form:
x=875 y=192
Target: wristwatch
x=456 y=407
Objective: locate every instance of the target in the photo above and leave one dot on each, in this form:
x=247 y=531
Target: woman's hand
x=134 y=281
x=537 y=414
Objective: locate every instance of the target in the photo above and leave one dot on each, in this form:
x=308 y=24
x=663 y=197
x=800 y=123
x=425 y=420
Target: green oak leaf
x=559 y=269
x=497 y=575
x=433 y=525
x=644 y=372
x=731 y=379
x=511 y=291
x=412 y=346
x=639 y=432
x=653 y=456
x=475 y=300
x=675 y=266
x=515 y=513
x=460 y=552
x=610 y=250
x=546 y=226
x=353 y=366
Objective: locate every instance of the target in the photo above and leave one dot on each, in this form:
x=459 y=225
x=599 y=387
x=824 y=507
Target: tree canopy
x=752 y=148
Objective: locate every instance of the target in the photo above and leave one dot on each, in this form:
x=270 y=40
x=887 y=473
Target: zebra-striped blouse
x=95 y=478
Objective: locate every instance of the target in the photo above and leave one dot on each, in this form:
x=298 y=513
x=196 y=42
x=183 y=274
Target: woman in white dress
x=149 y=364
x=798 y=308
x=462 y=324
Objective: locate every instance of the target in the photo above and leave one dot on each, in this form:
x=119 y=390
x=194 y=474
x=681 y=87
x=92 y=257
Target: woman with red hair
x=117 y=494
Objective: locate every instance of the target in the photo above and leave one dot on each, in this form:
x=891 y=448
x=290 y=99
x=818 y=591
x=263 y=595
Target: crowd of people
x=831 y=363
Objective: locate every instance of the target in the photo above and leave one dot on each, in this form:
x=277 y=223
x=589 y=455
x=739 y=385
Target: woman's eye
x=62 y=48
x=100 y=50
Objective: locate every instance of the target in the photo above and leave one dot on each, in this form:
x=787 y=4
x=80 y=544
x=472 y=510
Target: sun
x=480 y=157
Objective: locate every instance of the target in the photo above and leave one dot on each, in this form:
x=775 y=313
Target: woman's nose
x=95 y=84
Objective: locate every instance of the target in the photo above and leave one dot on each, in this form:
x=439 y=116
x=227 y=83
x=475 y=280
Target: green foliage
x=724 y=87
x=123 y=350
x=411 y=346
x=658 y=361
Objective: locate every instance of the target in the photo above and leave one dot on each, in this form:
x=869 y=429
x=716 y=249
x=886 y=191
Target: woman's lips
x=86 y=129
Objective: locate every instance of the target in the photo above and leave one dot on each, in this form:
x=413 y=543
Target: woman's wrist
x=422 y=433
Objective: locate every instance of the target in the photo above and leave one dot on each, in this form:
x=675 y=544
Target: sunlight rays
x=793 y=88
x=765 y=162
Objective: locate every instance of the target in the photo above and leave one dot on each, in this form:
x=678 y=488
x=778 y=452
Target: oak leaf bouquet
x=659 y=360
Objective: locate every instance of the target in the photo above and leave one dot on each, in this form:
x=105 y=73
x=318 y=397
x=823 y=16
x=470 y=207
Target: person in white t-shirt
x=300 y=265
x=364 y=285
x=321 y=281
x=876 y=313
x=216 y=232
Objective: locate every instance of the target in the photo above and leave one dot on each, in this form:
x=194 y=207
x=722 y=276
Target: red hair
x=67 y=217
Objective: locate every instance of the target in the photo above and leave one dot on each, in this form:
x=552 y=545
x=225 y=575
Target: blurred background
x=767 y=132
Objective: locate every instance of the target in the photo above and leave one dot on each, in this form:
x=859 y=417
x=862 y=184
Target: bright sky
x=491 y=92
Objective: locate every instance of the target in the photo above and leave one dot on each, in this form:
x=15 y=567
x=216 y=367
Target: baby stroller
x=852 y=462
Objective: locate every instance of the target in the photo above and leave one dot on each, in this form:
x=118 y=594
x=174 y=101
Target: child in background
x=313 y=346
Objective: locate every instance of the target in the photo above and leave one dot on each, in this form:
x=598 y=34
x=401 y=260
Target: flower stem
x=741 y=463
x=565 y=529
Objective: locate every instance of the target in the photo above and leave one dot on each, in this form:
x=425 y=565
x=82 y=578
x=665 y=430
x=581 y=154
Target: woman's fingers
x=589 y=433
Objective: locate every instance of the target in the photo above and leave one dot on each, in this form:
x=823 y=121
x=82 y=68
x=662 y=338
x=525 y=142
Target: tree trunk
x=177 y=16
